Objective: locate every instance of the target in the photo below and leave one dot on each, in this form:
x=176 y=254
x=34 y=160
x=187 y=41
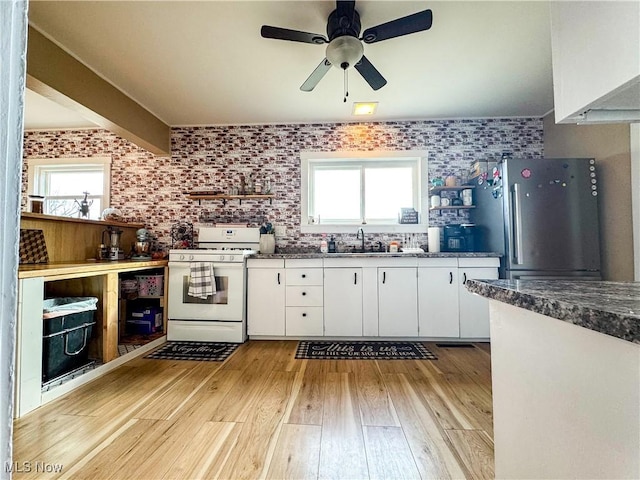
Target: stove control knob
x=231 y=258
x=190 y=257
x=222 y=258
x=181 y=257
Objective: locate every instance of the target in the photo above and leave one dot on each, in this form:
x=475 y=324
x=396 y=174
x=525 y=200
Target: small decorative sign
x=408 y=215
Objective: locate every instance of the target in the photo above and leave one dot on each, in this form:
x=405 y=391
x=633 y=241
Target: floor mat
x=205 y=351
x=364 y=351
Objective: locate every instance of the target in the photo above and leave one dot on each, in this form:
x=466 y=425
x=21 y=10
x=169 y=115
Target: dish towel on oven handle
x=202 y=282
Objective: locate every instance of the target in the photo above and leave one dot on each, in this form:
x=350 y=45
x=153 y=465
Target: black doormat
x=364 y=351
x=455 y=345
x=206 y=351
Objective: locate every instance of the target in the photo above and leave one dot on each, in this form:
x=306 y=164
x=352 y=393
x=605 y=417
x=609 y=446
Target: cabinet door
x=343 y=302
x=265 y=301
x=398 y=302
x=438 y=302
x=474 y=309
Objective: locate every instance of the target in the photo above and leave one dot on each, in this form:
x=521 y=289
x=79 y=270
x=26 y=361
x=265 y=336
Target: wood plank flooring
x=262 y=414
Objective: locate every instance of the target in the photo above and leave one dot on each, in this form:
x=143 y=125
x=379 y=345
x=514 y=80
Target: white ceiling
x=205 y=63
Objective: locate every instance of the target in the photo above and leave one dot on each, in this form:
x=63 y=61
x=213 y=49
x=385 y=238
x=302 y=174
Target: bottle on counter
x=331 y=245
x=324 y=246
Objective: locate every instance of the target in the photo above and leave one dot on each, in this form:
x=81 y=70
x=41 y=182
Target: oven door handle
x=215 y=265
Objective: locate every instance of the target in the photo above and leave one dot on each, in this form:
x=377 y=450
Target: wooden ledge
x=55 y=218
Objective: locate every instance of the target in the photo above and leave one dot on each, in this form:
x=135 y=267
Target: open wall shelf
x=204 y=196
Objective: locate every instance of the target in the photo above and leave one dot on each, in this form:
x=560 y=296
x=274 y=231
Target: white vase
x=267 y=243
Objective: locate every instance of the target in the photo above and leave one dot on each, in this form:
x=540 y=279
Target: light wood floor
x=264 y=414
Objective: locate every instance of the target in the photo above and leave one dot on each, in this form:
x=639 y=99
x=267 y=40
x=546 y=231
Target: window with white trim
x=64 y=182
x=355 y=188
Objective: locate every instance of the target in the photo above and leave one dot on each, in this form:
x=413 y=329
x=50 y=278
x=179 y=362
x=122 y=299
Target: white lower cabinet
x=304 y=298
x=265 y=297
x=438 y=301
x=394 y=297
x=474 y=309
x=343 y=302
x=397 y=302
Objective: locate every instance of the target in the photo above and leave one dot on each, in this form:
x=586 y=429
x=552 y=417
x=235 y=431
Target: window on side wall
x=341 y=190
x=64 y=181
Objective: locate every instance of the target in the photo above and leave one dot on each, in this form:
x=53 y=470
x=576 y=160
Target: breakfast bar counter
x=76 y=269
x=612 y=308
x=565 y=367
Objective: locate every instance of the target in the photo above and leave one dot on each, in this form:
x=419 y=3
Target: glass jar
x=36 y=203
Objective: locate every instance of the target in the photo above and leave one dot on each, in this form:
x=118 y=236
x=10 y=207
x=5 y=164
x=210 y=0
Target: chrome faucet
x=360 y=235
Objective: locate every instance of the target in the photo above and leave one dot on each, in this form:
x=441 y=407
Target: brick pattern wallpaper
x=151 y=189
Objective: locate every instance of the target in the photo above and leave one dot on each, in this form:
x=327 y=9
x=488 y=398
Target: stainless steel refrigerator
x=541 y=215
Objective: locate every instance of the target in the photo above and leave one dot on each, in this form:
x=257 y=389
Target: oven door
x=227 y=304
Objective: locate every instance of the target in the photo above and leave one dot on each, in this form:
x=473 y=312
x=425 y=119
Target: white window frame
x=421 y=189
x=35 y=166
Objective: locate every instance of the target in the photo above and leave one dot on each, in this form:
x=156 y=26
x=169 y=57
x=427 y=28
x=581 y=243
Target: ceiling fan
x=345 y=49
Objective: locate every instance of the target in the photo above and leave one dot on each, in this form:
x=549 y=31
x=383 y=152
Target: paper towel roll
x=433 y=238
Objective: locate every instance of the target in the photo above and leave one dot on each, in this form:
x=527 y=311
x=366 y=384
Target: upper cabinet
x=596 y=61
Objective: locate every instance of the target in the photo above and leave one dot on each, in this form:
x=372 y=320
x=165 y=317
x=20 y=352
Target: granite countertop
x=612 y=308
x=292 y=255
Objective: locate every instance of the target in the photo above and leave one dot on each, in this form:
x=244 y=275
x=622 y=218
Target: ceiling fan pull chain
x=346 y=85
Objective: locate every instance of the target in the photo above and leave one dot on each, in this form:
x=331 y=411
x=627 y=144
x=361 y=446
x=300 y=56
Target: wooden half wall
x=56 y=75
x=75 y=239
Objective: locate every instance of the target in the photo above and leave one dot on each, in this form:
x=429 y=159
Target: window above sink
x=342 y=191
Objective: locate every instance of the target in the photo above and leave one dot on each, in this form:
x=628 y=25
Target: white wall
x=635 y=196
x=13 y=41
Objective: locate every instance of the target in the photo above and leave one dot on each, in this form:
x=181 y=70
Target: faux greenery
x=266 y=228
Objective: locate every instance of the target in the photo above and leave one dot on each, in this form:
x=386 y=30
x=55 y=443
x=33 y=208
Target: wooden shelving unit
x=225 y=198
x=453 y=207
x=451 y=189
x=457 y=189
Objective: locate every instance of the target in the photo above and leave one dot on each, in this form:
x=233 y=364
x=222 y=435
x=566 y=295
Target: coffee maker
x=459 y=238
x=110 y=247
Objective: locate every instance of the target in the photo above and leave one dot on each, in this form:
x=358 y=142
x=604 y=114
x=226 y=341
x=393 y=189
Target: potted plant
x=267 y=238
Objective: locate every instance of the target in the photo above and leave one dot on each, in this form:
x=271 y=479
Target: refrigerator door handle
x=516 y=233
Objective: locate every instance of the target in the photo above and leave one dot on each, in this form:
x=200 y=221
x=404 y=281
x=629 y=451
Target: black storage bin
x=66 y=336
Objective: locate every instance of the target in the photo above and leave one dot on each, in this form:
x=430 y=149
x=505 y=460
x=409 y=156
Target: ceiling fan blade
x=293 y=35
x=370 y=74
x=320 y=71
x=401 y=26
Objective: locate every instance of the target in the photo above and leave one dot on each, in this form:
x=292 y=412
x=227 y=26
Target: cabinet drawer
x=304 y=321
x=304 y=276
x=265 y=263
x=478 y=262
x=301 y=296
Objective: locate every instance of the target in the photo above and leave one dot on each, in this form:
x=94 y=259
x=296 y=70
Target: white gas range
x=218 y=314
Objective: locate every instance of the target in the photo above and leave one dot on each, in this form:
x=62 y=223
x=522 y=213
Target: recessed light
x=364 y=108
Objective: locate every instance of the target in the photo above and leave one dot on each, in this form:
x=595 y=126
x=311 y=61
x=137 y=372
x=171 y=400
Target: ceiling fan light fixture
x=364 y=108
x=344 y=52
